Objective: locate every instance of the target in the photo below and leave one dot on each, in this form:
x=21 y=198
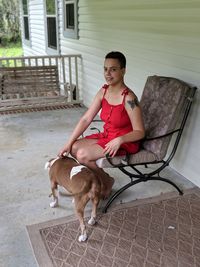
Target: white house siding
x=158 y=37
x=37 y=29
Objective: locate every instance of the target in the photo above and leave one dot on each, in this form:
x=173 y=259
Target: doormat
x=153 y=232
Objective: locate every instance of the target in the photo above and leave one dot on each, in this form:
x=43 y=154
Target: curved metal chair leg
x=116 y=194
x=169 y=182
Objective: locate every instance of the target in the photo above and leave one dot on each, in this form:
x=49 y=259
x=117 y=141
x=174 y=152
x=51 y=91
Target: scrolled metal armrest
x=160 y=136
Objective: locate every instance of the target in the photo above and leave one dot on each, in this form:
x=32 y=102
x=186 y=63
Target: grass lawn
x=12 y=50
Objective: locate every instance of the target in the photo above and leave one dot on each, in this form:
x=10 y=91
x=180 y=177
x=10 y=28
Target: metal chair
x=165 y=105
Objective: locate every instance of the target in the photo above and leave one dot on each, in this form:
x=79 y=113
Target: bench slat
x=29 y=86
x=32 y=103
x=29 y=81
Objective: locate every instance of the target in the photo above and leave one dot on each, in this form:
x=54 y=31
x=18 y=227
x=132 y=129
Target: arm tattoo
x=133 y=103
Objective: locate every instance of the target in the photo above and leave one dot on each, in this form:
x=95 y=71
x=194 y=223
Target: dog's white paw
x=54 y=203
x=82 y=238
x=92 y=221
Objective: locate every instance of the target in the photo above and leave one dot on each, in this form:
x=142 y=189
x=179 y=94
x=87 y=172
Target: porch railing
x=69 y=69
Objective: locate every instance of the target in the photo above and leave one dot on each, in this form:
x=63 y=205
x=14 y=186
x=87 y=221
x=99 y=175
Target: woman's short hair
x=119 y=56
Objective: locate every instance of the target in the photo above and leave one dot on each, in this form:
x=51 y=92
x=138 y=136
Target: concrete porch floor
x=27 y=141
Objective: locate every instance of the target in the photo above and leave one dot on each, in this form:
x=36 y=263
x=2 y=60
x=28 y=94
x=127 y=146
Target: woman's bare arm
x=83 y=123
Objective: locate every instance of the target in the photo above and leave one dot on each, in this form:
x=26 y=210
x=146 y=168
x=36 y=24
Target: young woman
x=123 y=124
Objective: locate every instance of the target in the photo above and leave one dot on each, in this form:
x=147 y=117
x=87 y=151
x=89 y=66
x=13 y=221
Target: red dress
x=116 y=123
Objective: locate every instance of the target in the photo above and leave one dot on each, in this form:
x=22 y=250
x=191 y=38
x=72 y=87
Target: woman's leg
x=87 y=151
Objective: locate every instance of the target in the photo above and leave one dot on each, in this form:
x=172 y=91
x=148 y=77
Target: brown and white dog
x=80 y=182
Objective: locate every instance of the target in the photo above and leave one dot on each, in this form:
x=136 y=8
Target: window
x=70 y=16
x=70 y=21
x=25 y=19
x=51 y=24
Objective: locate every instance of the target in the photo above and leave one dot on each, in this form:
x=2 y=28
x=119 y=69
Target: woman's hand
x=112 y=147
x=64 y=151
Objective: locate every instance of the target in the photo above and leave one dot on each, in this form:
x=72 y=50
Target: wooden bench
x=29 y=86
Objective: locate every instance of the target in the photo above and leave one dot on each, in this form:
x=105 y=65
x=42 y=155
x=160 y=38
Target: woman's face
x=113 y=72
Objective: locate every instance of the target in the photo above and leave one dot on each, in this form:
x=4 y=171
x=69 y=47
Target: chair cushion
x=143 y=156
x=162 y=105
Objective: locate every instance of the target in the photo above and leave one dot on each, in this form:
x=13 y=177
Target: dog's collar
x=75 y=159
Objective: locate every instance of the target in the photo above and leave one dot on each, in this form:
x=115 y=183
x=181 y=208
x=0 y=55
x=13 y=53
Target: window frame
x=27 y=16
x=51 y=50
x=69 y=32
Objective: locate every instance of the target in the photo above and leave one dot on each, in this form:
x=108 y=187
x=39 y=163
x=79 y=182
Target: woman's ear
x=123 y=71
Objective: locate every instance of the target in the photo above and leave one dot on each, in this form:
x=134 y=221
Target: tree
x=9 y=20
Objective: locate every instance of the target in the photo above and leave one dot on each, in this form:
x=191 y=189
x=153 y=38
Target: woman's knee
x=80 y=148
x=82 y=155
x=74 y=149
x=85 y=152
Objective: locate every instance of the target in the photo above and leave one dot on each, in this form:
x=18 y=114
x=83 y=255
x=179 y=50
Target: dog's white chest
x=76 y=170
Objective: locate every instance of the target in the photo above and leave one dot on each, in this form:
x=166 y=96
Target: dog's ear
x=47 y=165
x=71 y=157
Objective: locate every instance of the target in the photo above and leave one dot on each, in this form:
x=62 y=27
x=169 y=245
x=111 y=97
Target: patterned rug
x=153 y=232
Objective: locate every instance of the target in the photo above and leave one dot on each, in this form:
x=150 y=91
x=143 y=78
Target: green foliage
x=51 y=9
x=25 y=7
x=11 y=50
x=6 y=40
x=9 y=21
